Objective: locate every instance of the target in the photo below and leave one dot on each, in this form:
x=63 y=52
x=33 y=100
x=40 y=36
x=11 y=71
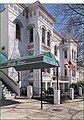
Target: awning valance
x=40 y=61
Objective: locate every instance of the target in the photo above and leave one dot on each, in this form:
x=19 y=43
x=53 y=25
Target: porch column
x=63 y=86
x=50 y=84
x=57 y=92
x=45 y=85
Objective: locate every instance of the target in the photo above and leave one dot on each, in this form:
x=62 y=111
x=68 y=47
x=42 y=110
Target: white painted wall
x=15 y=48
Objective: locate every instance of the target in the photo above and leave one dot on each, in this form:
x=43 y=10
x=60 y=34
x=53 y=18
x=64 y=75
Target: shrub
x=81 y=84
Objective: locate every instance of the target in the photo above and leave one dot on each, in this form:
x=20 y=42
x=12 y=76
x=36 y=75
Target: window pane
x=43 y=35
x=48 y=70
x=55 y=50
x=18 y=32
x=65 y=54
x=31 y=35
x=48 y=39
x=65 y=71
x=72 y=53
x=73 y=72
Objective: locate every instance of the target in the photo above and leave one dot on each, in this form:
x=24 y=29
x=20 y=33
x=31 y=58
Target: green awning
x=3 y=58
x=46 y=60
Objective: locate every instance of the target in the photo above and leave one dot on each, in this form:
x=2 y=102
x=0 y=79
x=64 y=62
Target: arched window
x=48 y=38
x=55 y=50
x=43 y=35
x=31 y=35
x=18 y=31
x=65 y=53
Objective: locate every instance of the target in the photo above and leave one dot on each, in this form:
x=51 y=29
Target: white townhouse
x=29 y=30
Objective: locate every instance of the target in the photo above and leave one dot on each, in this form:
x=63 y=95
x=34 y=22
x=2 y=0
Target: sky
x=51 y=9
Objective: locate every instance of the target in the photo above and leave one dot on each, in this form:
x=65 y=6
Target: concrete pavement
x=30 y=109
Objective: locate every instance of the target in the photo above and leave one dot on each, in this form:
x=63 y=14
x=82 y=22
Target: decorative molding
x=30 y=26
x=19 y=22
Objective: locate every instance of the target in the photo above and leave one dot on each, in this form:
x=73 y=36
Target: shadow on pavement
x=7 y=102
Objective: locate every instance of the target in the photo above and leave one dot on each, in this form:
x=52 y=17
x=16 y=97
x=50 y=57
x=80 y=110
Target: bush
x=23 y=91
x=76 y=87
x=81 y=84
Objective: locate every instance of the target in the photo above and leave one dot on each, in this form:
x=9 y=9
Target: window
x=48 y=84
x=31 y=52
x=15 y=7
x=65 y=53
x=55 y=50
x=43 y=85
x=34 y=12
x=54 y=71
x=31 y=35
x=65 y=71
x=3 y=48
x=11 y=5
x=43 y=70
x=48 y=70
x=73 y=72
x=23 y=13
x=31 y=14
x=39 y=13
x=48 y=38
x=72 y=54
x=19 y=10
x=43 y=35
x=30 y=71
x=18 y=31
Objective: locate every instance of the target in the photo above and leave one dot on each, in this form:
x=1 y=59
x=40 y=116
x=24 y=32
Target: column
x=57 y=92
x=50 y=84
x=45 y=85
x=63 y=86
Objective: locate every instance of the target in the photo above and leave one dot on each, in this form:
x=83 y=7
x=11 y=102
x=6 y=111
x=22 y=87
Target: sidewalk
x=31 y=109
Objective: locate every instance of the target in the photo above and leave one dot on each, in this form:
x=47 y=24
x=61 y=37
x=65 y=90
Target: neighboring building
x=29 y=30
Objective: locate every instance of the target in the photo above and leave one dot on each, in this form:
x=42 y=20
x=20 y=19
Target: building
x=29 y=30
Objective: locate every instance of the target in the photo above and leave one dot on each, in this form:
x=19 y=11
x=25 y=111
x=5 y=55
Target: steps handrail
x=9 y=78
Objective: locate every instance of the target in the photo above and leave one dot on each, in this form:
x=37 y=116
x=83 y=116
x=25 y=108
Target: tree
x=70 y=21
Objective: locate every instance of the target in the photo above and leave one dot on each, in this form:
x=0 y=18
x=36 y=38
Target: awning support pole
x=57 y=79
x=41 y=90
